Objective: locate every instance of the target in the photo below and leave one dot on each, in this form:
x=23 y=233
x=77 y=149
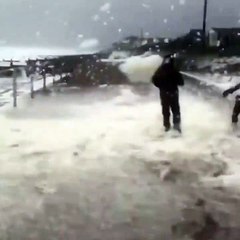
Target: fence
x=34 y=84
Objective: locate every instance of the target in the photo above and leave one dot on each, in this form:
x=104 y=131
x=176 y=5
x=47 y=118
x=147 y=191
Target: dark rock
x=15 y=130
x=209 y=230
x=14 y=146
x=200 y=203
x=166 y=163
x=170 y=175
x=219 y=188
x=185 y=228
x=75 y=154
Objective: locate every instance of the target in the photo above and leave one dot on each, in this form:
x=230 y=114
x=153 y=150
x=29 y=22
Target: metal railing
x=15 y=73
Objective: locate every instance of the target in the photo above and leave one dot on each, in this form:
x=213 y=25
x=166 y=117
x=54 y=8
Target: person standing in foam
x=236 y=109
x=167 y=78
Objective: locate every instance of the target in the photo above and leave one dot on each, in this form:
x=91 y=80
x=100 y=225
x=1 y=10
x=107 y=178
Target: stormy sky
x=71 y=23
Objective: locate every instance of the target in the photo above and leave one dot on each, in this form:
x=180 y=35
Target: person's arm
x=155 y=78
x=231 y=90
x=179 y=78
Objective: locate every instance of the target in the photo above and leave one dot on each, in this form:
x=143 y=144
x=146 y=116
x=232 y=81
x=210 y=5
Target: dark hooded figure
x=167 y=78
x=236 y=109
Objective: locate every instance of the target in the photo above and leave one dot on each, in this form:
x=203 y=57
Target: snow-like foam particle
x=166 y=40
x=95 y=18
x=145 y=5
x=182 y=2
x=105 y=7
x=80 y=35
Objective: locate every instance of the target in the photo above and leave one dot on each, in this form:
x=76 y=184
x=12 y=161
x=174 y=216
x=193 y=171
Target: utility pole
x=205 y=22
x=141 y=34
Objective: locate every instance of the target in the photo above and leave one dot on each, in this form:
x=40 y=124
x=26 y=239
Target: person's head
x=168 y=60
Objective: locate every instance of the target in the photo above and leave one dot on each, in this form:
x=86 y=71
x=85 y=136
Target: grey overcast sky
x=66 y=23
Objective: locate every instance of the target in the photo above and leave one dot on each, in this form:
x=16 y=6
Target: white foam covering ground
x=98 y=150
x=96 y=164
x=219 y=81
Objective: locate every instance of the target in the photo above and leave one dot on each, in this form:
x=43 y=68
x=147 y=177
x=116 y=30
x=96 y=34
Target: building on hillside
x=193 y=39
x=195 y=36
x=216 y=37
x=224 y=37
x=146 y=41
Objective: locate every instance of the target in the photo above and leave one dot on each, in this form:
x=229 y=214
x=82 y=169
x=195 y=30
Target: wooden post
x=44 y=81
x=14 y=87
x=32 y=85
x=53 y=72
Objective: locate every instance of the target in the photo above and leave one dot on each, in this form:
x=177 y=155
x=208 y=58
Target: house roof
x=226 y=29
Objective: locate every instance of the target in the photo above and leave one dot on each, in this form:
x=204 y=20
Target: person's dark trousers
x=236 y=111
x=170 y=102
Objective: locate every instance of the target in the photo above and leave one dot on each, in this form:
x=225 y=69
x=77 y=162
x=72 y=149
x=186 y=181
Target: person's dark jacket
x=167 y=78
